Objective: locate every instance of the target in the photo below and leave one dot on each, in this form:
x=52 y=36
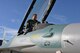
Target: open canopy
x=40 y=7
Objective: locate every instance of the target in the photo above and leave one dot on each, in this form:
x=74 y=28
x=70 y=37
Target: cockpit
x=6 y=35
x=40 y=7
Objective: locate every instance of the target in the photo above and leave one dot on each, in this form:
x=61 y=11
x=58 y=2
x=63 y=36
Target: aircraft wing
x=21 y=47
x=26 y=46
x=17 y=48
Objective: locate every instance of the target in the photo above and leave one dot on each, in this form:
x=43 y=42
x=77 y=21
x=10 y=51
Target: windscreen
x=6 y=34
x=39 y=8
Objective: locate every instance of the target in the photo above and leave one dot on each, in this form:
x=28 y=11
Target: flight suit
x=30 y=25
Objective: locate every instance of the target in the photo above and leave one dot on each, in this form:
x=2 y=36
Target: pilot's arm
x=28 y=24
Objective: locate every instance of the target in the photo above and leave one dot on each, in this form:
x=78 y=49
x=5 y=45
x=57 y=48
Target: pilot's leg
x=28 y=30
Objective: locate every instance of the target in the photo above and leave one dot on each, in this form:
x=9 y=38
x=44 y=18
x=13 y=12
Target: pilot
x=31 y=23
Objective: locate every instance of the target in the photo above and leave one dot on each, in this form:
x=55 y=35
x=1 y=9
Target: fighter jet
x=47 y=37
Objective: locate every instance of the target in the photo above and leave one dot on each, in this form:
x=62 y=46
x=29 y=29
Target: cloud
x=14 y=20
x=59 y=18
x=8 y=30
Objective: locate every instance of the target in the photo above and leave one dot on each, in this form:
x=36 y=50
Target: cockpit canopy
x=40 y=7
x=6 y=34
